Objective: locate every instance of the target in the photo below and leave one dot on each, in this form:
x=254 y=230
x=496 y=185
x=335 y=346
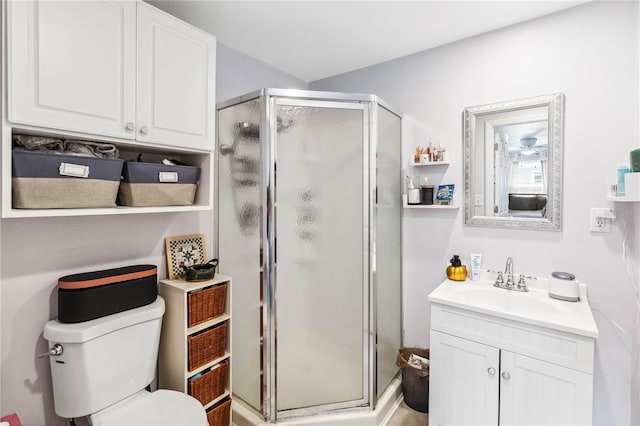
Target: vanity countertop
x=532 y=307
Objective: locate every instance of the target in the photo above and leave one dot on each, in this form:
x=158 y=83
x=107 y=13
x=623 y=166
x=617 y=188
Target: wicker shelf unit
x=195 y=345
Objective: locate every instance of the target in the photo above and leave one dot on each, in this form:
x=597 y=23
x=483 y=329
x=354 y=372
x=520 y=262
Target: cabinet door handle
x=491 y=370
x=144 y=130
x=506 y=375
x=130 y=127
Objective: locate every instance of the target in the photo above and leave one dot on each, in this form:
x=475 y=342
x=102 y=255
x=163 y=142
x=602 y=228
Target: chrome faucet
x=508 y=269
x=510 y=284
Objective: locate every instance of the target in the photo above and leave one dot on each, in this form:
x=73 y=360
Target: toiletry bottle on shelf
x=442 y=156
x=413 y=193
x=622 y=170
x=426 y=191
x=417 y=155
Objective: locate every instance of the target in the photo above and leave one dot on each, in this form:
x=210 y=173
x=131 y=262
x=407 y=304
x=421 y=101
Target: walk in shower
x=309 y=218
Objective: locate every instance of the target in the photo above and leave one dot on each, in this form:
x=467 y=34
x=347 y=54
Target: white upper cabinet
x=176 y=81
x=120 y=69
x=72 y=65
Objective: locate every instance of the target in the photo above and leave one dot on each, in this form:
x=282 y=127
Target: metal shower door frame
x=271 y=99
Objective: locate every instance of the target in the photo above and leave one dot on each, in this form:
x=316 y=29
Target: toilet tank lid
x=55 y=331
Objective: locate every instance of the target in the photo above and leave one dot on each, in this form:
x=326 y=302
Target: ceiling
x=315 y=39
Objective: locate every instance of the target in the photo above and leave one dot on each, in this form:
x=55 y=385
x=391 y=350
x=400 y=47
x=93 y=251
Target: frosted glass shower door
x=239 y=220
x=321 y=269
x=388 y=246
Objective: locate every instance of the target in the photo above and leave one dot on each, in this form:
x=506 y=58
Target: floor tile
x=406 y=416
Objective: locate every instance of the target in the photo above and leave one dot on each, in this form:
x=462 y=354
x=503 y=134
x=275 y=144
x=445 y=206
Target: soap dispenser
x=456 y=271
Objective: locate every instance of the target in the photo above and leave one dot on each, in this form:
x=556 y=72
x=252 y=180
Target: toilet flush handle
x=56 y=350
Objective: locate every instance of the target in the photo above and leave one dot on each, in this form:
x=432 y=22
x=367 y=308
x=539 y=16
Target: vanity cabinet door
x=72 y=65
x=463 y=382
x=176 y=82
x=534 y=392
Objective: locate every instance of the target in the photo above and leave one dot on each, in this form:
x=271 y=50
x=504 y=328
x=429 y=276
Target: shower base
x=386 y=406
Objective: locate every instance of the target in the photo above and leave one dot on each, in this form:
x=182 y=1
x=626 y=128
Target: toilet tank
x=104 y=360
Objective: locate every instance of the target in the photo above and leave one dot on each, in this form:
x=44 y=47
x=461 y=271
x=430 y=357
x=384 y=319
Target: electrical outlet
x=478 y=200
x=599 y=219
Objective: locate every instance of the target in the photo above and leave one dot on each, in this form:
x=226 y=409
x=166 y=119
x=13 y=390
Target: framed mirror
x=513 y=163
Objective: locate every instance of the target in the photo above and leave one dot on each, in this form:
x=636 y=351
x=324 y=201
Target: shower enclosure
x=309 y=218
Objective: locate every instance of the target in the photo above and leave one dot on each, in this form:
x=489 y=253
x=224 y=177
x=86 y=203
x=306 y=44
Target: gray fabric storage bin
x=43 y=180
x=157 y=185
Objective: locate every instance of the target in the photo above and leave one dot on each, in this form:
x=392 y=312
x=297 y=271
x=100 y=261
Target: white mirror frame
x=553 y=219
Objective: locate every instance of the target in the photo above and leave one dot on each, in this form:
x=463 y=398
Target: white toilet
x=105 y=365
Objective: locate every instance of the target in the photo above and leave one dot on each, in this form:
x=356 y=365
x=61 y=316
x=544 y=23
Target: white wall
x=590 y=53
x=634 y=253
x=34 y=253
x=238 y=74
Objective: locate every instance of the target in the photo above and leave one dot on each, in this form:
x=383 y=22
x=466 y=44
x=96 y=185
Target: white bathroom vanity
x=504 y=357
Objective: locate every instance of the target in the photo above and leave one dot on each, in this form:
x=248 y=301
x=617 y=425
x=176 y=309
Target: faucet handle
x=522 y=285
x=510 y=282
x=499 y=279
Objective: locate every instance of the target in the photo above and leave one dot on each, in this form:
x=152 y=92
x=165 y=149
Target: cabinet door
x=463 y=382
x=534 y=392
x=71 y=65
x=176 y=82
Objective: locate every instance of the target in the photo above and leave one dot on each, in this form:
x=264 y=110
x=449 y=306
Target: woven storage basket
x=206 y=346
x=211 y=384
x=149 y=184
x=220 y=415
x=41 y=180
x=206 y=304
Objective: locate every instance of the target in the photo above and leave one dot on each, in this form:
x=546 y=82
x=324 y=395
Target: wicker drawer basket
x=220 y=415
x=211 y=384
x=206 y=304
x=206 y=346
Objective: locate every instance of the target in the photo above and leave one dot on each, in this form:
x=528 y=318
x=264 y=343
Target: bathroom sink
x=532 y=307
x=488 y=295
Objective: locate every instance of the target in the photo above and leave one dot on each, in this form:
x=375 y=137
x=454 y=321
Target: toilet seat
x=162 y=407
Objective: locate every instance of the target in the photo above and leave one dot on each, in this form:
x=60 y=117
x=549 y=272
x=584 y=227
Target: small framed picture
x=184 y=251
x=445 y=193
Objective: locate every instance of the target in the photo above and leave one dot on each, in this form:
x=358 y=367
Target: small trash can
x=415 y=381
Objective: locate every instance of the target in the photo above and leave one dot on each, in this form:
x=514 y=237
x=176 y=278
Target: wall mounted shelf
x=632 y=189
x=431 y=163
x=623 y=199
x=406 y=205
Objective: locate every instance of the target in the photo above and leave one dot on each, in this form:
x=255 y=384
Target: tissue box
x=91 y=295
x=44 y=180
x=154 y=185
